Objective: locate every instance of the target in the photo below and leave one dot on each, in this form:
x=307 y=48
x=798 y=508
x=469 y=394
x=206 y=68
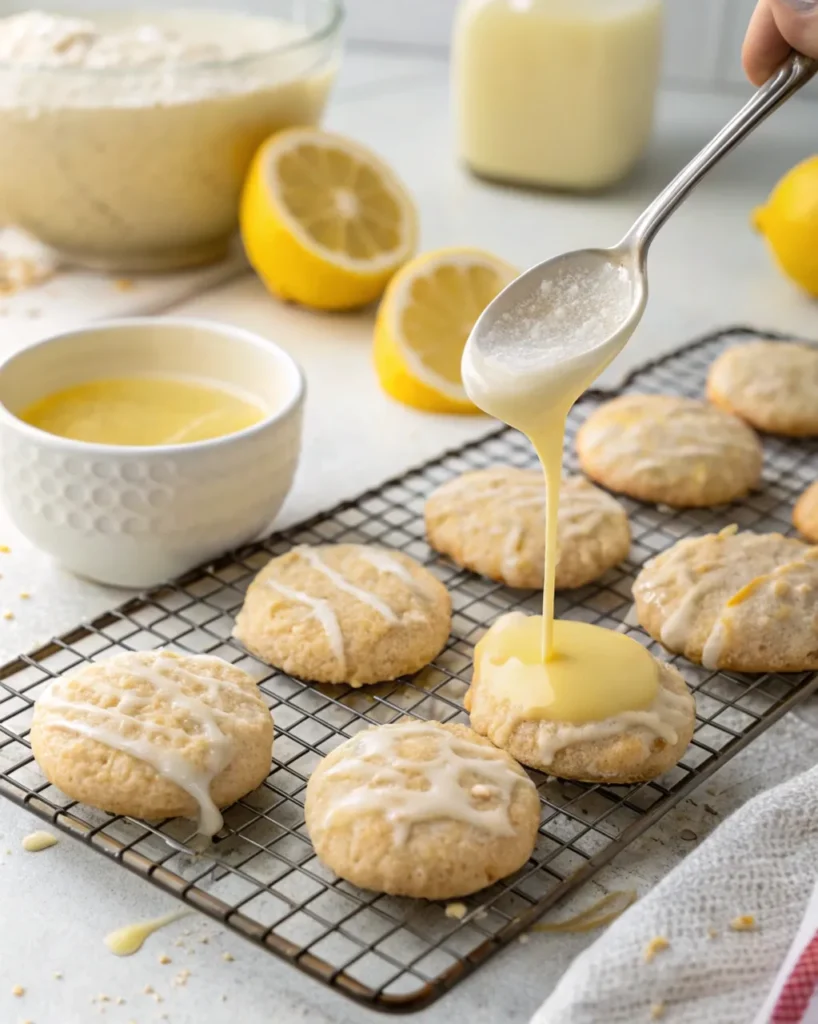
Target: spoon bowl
x=577 y=310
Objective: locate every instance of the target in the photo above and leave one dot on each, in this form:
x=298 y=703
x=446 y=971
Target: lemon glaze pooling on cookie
x=529 y=690
x=386 y=782
x=118 y=725
x=508 y=660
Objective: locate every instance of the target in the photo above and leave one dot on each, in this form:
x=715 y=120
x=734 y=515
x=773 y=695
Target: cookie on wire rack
x=772 y=385
x=633 y=746
x=155 y=734
x=421 y=809
x=492 y=522
x=345 y=613
x=670 y=451
x=742 y=602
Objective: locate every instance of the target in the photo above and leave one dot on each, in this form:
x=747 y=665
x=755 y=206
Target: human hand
x=776 y=27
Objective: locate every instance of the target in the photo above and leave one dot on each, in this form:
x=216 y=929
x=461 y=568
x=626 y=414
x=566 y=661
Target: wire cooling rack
x=261 y=877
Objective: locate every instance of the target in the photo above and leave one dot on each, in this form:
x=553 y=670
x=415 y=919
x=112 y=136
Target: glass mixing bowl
x=140 y=168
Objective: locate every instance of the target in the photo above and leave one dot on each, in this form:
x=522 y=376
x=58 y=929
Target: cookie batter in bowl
x=130 y=134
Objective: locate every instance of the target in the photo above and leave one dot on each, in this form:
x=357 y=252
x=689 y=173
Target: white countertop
x=707 y=270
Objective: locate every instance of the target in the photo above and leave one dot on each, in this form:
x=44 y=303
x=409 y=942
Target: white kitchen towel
x=762 y=862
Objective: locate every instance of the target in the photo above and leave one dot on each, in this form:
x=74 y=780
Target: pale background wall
x=702 y=37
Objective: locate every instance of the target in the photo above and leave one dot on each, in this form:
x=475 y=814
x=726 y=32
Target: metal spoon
x=631 y=253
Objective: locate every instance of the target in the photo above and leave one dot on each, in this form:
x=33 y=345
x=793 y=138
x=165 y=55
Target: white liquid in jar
x=555 y=92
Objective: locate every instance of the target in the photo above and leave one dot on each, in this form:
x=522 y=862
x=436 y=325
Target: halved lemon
x=325 y=221
x=424 y=323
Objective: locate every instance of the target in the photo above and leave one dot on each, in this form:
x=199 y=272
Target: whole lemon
x=789 y=222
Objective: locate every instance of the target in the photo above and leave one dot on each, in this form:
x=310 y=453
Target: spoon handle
x=793 y=73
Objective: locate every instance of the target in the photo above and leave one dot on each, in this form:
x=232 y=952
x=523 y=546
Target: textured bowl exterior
x=138 y=519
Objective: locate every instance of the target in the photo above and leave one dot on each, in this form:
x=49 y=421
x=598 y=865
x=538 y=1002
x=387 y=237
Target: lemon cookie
x=805 y=514
x=773 y=385
x=155 y=735
x=345 y=613
x=739 y=601
x=585 y=735
x=492 y=522
x=668 y=450
x=421 y=809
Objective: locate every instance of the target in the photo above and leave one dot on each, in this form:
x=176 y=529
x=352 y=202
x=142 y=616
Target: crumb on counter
x=5 y=549
x=148 y=990
x=57 y=975
x=523 y=940
x=17 y=273
x=18 y=991
x=8 y=616
x=657 y=1011
x=712 y=933
x=743 y=923
x=124 y=284
x=228 y=957
x=655 y=946
x=164 y=959
x=24 y=595
x=456 y=910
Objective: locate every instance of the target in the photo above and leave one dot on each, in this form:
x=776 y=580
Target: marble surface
x=707 y=270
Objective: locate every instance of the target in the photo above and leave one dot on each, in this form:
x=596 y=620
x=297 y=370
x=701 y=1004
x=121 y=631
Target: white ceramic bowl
x=136 y=517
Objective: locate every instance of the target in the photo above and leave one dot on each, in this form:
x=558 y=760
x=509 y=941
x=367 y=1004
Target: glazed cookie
x=771 y=384
x=632 y=746
x=671 y=451
x=155 y=735
x=492 y=522
x=805 y=514
x=421 y=809
x=744 y=602
x=345 y=613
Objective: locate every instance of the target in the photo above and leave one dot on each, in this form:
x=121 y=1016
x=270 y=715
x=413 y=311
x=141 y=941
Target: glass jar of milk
x=556 y=93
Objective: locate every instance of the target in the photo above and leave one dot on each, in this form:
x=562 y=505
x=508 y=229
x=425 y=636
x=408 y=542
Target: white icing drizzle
x=678 y=625
x=511 y=550
x=382 y=775
x=321 y=611
x=375 y=603
x=714 y=645
x=149 y=741
x=582 y=511
x=682 y=428
x=669 y=712
x=740 y=561
x=770 y=590
x=385 y=563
